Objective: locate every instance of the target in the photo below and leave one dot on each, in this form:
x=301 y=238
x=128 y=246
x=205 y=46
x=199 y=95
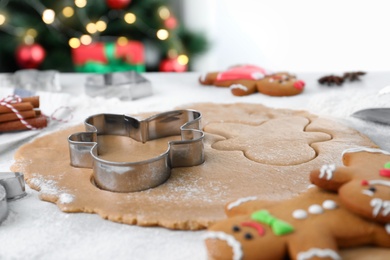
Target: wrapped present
x=105 y=57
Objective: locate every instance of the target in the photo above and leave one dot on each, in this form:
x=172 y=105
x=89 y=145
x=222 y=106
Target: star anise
x=353 y=76
x=331 y=80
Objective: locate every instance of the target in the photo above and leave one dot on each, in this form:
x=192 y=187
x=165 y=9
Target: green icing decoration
x=279 y=227
x=387 y=165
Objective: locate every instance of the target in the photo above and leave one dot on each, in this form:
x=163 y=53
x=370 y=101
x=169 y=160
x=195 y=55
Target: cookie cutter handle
x=80 y=145
x=187 y=153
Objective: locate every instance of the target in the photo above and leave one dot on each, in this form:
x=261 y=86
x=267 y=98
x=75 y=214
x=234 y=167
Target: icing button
x=329 y=204
x=299 y=214
x=387 y=228
x=315 y=209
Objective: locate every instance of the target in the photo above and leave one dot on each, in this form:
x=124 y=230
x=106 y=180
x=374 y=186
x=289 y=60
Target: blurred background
x=194 y=35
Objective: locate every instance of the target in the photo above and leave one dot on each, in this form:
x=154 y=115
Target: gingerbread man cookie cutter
x=12 y=187
x=140 y=175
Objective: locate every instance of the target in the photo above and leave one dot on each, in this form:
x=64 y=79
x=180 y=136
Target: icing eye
x=280 y=81
x=248 y=236
x=373 y=189
x=236 y=229
x=370 y=191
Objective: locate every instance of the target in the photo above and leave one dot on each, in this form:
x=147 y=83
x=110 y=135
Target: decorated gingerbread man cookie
x=248 y=79
x=348 y=207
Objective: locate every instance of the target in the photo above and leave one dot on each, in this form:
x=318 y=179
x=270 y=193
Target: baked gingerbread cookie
x=349 y=206
x=247 y=79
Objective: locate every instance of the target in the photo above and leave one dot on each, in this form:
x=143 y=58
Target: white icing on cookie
x=299 y=214
x=376 y=204
x=365 y=149
x=329 y=204
x=327 y=169
x=230 y=240
x=315 y=209
x=379 y=205
x=257 y=75
x=239 y=86
x=239 y=202
x=386 y=208
x=387 y=228
x=368 y=192
x=319 y=253
x=379 y=182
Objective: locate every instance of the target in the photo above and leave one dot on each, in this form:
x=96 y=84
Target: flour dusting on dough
x=66 y=198
x=43 y=185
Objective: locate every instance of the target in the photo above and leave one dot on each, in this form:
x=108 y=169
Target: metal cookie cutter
x=141 y=175
x=123 y=85
x=12 y=187
x=3 y=204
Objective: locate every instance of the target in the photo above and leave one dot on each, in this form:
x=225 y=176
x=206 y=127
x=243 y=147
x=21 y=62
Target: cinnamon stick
x=5 y=117
x=16 y=125
x=23 y=106
x=34 y=100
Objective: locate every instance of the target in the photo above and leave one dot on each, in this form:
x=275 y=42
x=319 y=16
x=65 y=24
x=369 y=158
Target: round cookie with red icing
x=248 y=79
x=280 y=84
x=350 y=207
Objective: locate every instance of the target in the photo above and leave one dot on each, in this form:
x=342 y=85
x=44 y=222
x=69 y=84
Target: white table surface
x=36 y=229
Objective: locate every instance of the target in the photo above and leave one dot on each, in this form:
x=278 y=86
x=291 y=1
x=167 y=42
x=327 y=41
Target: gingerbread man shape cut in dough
x=315 y=224
x=272 y=133
x=248 y=79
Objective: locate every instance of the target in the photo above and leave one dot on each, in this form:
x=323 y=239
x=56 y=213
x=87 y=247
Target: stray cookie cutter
x=123 y=85
x=141 y=175
x=14 y=184
x=3 y=204
x=12 y=187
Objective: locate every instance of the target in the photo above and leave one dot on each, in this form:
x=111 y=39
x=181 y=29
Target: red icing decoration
x=364 y=182
x=385 y=173
x=257 y=226
x=241 y=72
x=299 y=84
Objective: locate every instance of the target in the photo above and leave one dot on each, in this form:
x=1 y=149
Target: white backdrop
x=296 y=35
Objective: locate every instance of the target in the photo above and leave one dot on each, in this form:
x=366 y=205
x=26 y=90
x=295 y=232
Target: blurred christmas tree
x=94 y=36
